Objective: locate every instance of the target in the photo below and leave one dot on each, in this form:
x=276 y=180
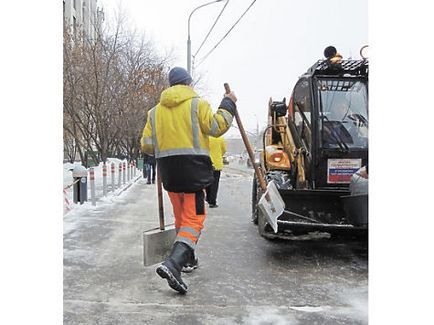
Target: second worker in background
x=217 y=148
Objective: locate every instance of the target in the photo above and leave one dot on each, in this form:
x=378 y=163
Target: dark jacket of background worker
x=150 y=168
x=177 y=132
x=217 y=148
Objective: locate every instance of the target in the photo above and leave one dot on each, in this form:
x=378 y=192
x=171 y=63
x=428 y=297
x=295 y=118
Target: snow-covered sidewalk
x=121 y=197
x=98 y=172
x=105 y=281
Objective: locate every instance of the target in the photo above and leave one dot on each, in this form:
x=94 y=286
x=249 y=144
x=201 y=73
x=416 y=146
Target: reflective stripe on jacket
x=180 y=125
x=217 y=148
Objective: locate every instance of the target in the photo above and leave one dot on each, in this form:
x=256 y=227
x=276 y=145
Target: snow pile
x=68 y=180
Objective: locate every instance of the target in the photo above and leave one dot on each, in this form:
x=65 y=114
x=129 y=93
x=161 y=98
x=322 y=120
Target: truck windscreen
x=343 y=113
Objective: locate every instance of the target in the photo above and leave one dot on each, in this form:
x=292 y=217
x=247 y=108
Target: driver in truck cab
x=343 y=125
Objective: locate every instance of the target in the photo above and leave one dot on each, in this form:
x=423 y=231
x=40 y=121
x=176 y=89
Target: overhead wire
x=212 y=27
x=221 y=40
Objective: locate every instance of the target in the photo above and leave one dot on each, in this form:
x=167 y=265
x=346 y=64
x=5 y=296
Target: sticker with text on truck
x=339 y=171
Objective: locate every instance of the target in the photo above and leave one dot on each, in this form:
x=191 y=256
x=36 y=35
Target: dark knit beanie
x=179 y=76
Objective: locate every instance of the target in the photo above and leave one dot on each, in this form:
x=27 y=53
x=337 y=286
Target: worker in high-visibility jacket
x=177 y=132
x=217 y=148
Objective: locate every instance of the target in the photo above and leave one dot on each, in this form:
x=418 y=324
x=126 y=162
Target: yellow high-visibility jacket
x=217 y=148
x=177 y=132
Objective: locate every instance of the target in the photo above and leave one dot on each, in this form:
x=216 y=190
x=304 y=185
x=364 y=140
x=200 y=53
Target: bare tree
x=109 y=84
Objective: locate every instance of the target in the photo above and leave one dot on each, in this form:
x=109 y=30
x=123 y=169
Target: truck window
x=302 y=111
x=343 y=112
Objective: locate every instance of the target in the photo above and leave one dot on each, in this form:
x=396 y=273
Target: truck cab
x=313 y=147
x=329 y=110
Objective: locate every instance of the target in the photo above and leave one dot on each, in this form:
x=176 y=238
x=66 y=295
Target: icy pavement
x=242 y=278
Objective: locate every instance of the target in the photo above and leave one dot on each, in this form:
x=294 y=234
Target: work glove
x=228 y=103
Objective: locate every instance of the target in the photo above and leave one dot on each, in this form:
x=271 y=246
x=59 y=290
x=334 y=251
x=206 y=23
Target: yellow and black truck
x=314 y=147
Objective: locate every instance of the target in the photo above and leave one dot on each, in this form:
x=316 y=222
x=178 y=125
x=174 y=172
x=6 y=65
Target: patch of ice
x=269 y=315
x=310 y=309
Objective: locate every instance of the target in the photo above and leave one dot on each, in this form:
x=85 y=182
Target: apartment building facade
x=84 y=15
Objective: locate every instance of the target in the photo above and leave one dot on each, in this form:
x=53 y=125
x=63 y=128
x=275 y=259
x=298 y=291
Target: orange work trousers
x=189 y=211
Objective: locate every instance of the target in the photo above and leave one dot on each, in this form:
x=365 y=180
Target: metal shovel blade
x=272 y=206
x=157 y=244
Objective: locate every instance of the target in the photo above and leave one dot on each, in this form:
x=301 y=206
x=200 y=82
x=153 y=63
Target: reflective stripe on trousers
x=189 y=211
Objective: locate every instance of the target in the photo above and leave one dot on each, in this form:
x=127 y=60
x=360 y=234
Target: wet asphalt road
x=242 y=279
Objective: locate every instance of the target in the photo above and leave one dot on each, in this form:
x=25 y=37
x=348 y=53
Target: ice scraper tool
x=157 y=242
x=271 y=203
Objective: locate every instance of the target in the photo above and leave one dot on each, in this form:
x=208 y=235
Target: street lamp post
x=188 y=39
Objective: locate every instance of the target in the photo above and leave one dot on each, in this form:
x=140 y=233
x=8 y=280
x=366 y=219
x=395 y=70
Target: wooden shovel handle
x=160 y=200
x=259 y=175
x=227 y=88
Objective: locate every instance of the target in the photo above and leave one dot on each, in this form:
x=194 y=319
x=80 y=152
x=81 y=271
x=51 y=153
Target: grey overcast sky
x=262 y=57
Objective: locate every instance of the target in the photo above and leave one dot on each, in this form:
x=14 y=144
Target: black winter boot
x=192 y=263
x=170 y=269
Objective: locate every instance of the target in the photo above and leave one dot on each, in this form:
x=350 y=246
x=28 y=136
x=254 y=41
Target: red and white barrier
x=120 y=175
x=123 y=173
x=123 y=182
x=92 y=185
x=112 y=169
x=104 y=179
x=128 y=171
x=66 y=204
